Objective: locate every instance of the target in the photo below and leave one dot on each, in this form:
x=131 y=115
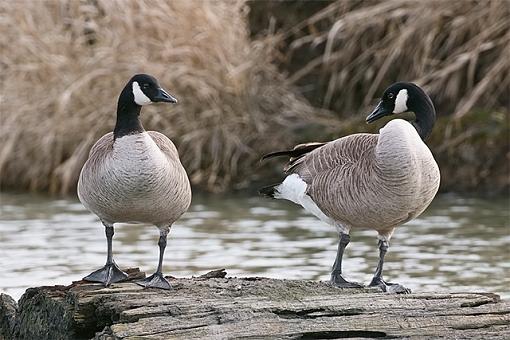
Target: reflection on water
x=458 y=244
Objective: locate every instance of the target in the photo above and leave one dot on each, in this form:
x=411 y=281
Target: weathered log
x=214 y=307
x=8 y=309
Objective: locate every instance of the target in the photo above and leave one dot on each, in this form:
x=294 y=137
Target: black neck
x=128 y=115
x=425 y=115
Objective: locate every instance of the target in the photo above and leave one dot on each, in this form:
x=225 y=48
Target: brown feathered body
x=136 y=178
x=375 y=181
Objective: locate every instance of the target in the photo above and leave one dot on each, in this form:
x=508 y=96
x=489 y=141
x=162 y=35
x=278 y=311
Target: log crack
x=316 y=313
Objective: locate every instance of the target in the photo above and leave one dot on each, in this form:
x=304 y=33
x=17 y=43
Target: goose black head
x=146 y=90
x=140 y=90
x=404 y=97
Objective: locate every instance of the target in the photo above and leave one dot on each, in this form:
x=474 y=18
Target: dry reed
x=64 y=63
x=457 y=50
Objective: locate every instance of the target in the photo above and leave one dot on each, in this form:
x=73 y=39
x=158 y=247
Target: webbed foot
x=156 y=280
x=110 y=273
x=338 y=281
x=389 y=287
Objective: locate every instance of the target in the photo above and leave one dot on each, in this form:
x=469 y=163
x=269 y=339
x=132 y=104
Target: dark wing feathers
x=298 y=151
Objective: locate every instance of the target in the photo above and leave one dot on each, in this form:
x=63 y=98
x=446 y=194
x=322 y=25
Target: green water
x=458 y=244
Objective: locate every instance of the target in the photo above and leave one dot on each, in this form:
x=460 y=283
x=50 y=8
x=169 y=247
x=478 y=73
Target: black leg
x=336 y=274
x=378 y=280
x=109 y=231
x=157 y=280
x=110 y=273
x=162 y=247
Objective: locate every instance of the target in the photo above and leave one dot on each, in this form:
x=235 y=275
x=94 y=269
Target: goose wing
x=340 y=153
x=102 y=147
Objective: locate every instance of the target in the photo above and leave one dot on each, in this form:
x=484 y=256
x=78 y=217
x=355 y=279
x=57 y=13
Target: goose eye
x=145 y=86
x=390 y=95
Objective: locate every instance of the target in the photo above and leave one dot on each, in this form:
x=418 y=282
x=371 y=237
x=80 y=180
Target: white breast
x=136 y=153
x=407 y=167
x=398 y=139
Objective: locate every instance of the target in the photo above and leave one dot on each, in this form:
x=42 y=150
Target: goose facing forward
x=374 y=181
x=135 y=176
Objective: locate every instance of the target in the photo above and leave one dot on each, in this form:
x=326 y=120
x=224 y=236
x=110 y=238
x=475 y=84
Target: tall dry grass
x=64 y=62
x=346 y=53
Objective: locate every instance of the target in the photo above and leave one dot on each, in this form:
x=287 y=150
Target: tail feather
x=269 y=191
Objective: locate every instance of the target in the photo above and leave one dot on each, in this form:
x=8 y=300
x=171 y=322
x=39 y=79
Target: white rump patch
x=401 y=102
x=293 y=188
x=140 y=97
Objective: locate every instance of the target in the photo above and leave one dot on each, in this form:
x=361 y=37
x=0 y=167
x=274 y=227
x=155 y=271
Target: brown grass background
x=251 y=77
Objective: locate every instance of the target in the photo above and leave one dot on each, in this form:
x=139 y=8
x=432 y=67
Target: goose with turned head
x=369 y=181
x=135 y=176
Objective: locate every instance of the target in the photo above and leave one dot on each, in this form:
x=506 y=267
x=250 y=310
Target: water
x=458 y=244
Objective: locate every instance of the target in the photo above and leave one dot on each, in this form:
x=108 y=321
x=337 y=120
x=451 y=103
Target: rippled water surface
x=458 y=244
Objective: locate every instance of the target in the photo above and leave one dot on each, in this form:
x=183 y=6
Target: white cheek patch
x=401 y=102
x=140 y=97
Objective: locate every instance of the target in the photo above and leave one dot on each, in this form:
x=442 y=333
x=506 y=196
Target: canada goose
x=375 y=181
x=135 y=176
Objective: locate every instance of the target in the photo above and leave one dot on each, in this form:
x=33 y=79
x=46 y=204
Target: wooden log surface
x=215 y=307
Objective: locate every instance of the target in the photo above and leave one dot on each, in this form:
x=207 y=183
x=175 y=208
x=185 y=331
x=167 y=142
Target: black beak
x=163 y=96
x=378 y=112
